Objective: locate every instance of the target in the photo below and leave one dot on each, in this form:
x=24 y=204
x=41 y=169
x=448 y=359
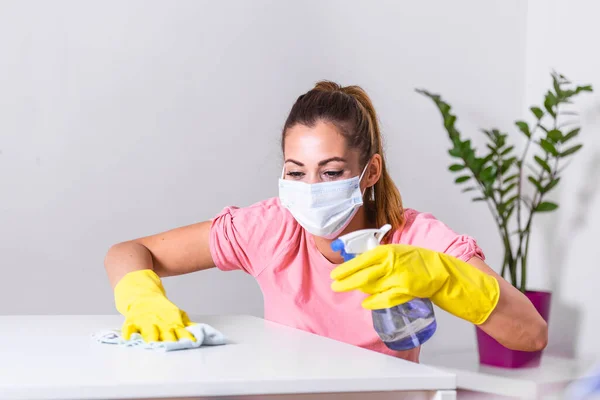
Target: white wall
x=118 y=119
x=562 y=36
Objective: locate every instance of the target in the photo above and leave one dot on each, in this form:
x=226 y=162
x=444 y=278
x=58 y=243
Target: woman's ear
x=373 y=172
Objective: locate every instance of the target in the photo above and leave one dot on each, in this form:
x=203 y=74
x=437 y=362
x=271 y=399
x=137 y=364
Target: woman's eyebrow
x=321 y=163
x=298 y=163
x=332 y=159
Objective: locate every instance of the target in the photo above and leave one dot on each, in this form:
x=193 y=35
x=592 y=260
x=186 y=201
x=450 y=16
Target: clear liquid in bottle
x=407 y=325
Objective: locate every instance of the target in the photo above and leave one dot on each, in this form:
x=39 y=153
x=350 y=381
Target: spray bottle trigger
x=382 y=231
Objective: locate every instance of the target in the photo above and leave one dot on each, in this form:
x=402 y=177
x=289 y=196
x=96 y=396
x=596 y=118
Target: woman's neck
x=324 y=245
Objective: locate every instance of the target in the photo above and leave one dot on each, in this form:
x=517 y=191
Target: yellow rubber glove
x=394 y=274
x=141 y=298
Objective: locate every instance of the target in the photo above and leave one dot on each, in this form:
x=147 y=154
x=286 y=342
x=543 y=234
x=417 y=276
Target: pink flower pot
x=494 y=354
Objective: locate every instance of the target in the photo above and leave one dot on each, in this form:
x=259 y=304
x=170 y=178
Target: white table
x=49 y=357
x=476 y=381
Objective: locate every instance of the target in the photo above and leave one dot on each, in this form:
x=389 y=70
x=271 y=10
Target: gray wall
x=565 y=243
x=122 y=119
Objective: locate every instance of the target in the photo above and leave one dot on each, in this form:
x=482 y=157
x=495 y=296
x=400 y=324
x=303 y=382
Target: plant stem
x=519 y=201
x=502 y=227
x=537 y=199
x=504 y=232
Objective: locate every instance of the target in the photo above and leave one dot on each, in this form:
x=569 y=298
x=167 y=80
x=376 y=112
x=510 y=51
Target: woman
x=334 y=181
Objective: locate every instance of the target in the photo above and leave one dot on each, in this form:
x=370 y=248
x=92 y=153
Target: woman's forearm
x=126 y=257
x=515 y=323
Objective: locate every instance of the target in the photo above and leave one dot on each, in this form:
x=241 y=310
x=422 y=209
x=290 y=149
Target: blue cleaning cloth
x=205 y=335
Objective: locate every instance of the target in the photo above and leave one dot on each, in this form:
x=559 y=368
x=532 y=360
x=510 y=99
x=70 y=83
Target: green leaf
x=470 y=157
x=511 y=161
x=455 y=152
x=478 y=164
x=488 y=189
x=587 y=88
x=501 y=140
x=510 y=178
x=551 y=185
x=546 y=206
x=543 y=164
x=509 y=212
x=501 y=208
x=456 y=167
x=555 y=135
x=469 y=189
x=556 y=85
x=523 y=127
x=571 y=150
x=462 y=179
x=449 y=120
x=444 y=108
x=571 y=135
x=549 y=102
x=548 y=147
x=507 y=150
x=479 y=198
x=504 y=191
x=537 y=112
x=511 y=200
x=535 y=183
x=506 y=165
x=485 y=159
x=488 y=174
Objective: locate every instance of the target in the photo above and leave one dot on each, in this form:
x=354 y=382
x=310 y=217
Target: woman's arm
x=175 y=252
x=515 y=323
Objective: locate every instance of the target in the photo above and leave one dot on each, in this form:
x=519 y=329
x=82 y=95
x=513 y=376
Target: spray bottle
x=401 y=327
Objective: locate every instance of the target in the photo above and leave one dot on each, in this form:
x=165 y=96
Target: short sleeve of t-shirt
x=424 y=230
x=249 y=238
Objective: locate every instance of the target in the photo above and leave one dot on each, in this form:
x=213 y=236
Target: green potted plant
x=515 y=186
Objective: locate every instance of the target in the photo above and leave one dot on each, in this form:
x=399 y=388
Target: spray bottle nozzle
x=360 y=241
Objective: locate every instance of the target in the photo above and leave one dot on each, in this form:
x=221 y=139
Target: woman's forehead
x=322 y=138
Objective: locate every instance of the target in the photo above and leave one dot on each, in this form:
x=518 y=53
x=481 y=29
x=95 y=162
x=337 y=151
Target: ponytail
x=384 y=204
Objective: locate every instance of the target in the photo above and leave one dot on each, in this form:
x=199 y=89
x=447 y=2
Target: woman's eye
x=295 y=174
x=334 y=174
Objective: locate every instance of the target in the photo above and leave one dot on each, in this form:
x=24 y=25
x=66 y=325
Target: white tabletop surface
x=551 y=377
x=48 y=357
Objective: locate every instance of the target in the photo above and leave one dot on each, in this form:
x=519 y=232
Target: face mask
x=324 y=209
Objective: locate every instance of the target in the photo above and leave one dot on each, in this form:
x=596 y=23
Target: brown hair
x=351 y=111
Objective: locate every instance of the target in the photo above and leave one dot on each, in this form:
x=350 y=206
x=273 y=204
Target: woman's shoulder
x=269 y=210
x=248 y=237
x=416 y=219
x=423 y=229
x=266 y=218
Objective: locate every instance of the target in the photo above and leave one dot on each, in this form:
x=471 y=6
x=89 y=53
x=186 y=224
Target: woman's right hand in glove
x=140 y=297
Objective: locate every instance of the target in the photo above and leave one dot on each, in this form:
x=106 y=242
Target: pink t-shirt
x=265 y=241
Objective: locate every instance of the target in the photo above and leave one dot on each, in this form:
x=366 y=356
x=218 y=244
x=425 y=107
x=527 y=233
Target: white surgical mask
x=324 y=209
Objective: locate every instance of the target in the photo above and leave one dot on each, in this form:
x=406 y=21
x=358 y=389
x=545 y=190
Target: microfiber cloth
x=205 y=335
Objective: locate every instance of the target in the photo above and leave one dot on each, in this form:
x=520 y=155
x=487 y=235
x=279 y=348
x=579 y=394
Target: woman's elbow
x=533 y=336
x=540 y=340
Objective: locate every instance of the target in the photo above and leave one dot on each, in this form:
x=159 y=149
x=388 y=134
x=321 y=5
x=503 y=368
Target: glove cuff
x=492 y=289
